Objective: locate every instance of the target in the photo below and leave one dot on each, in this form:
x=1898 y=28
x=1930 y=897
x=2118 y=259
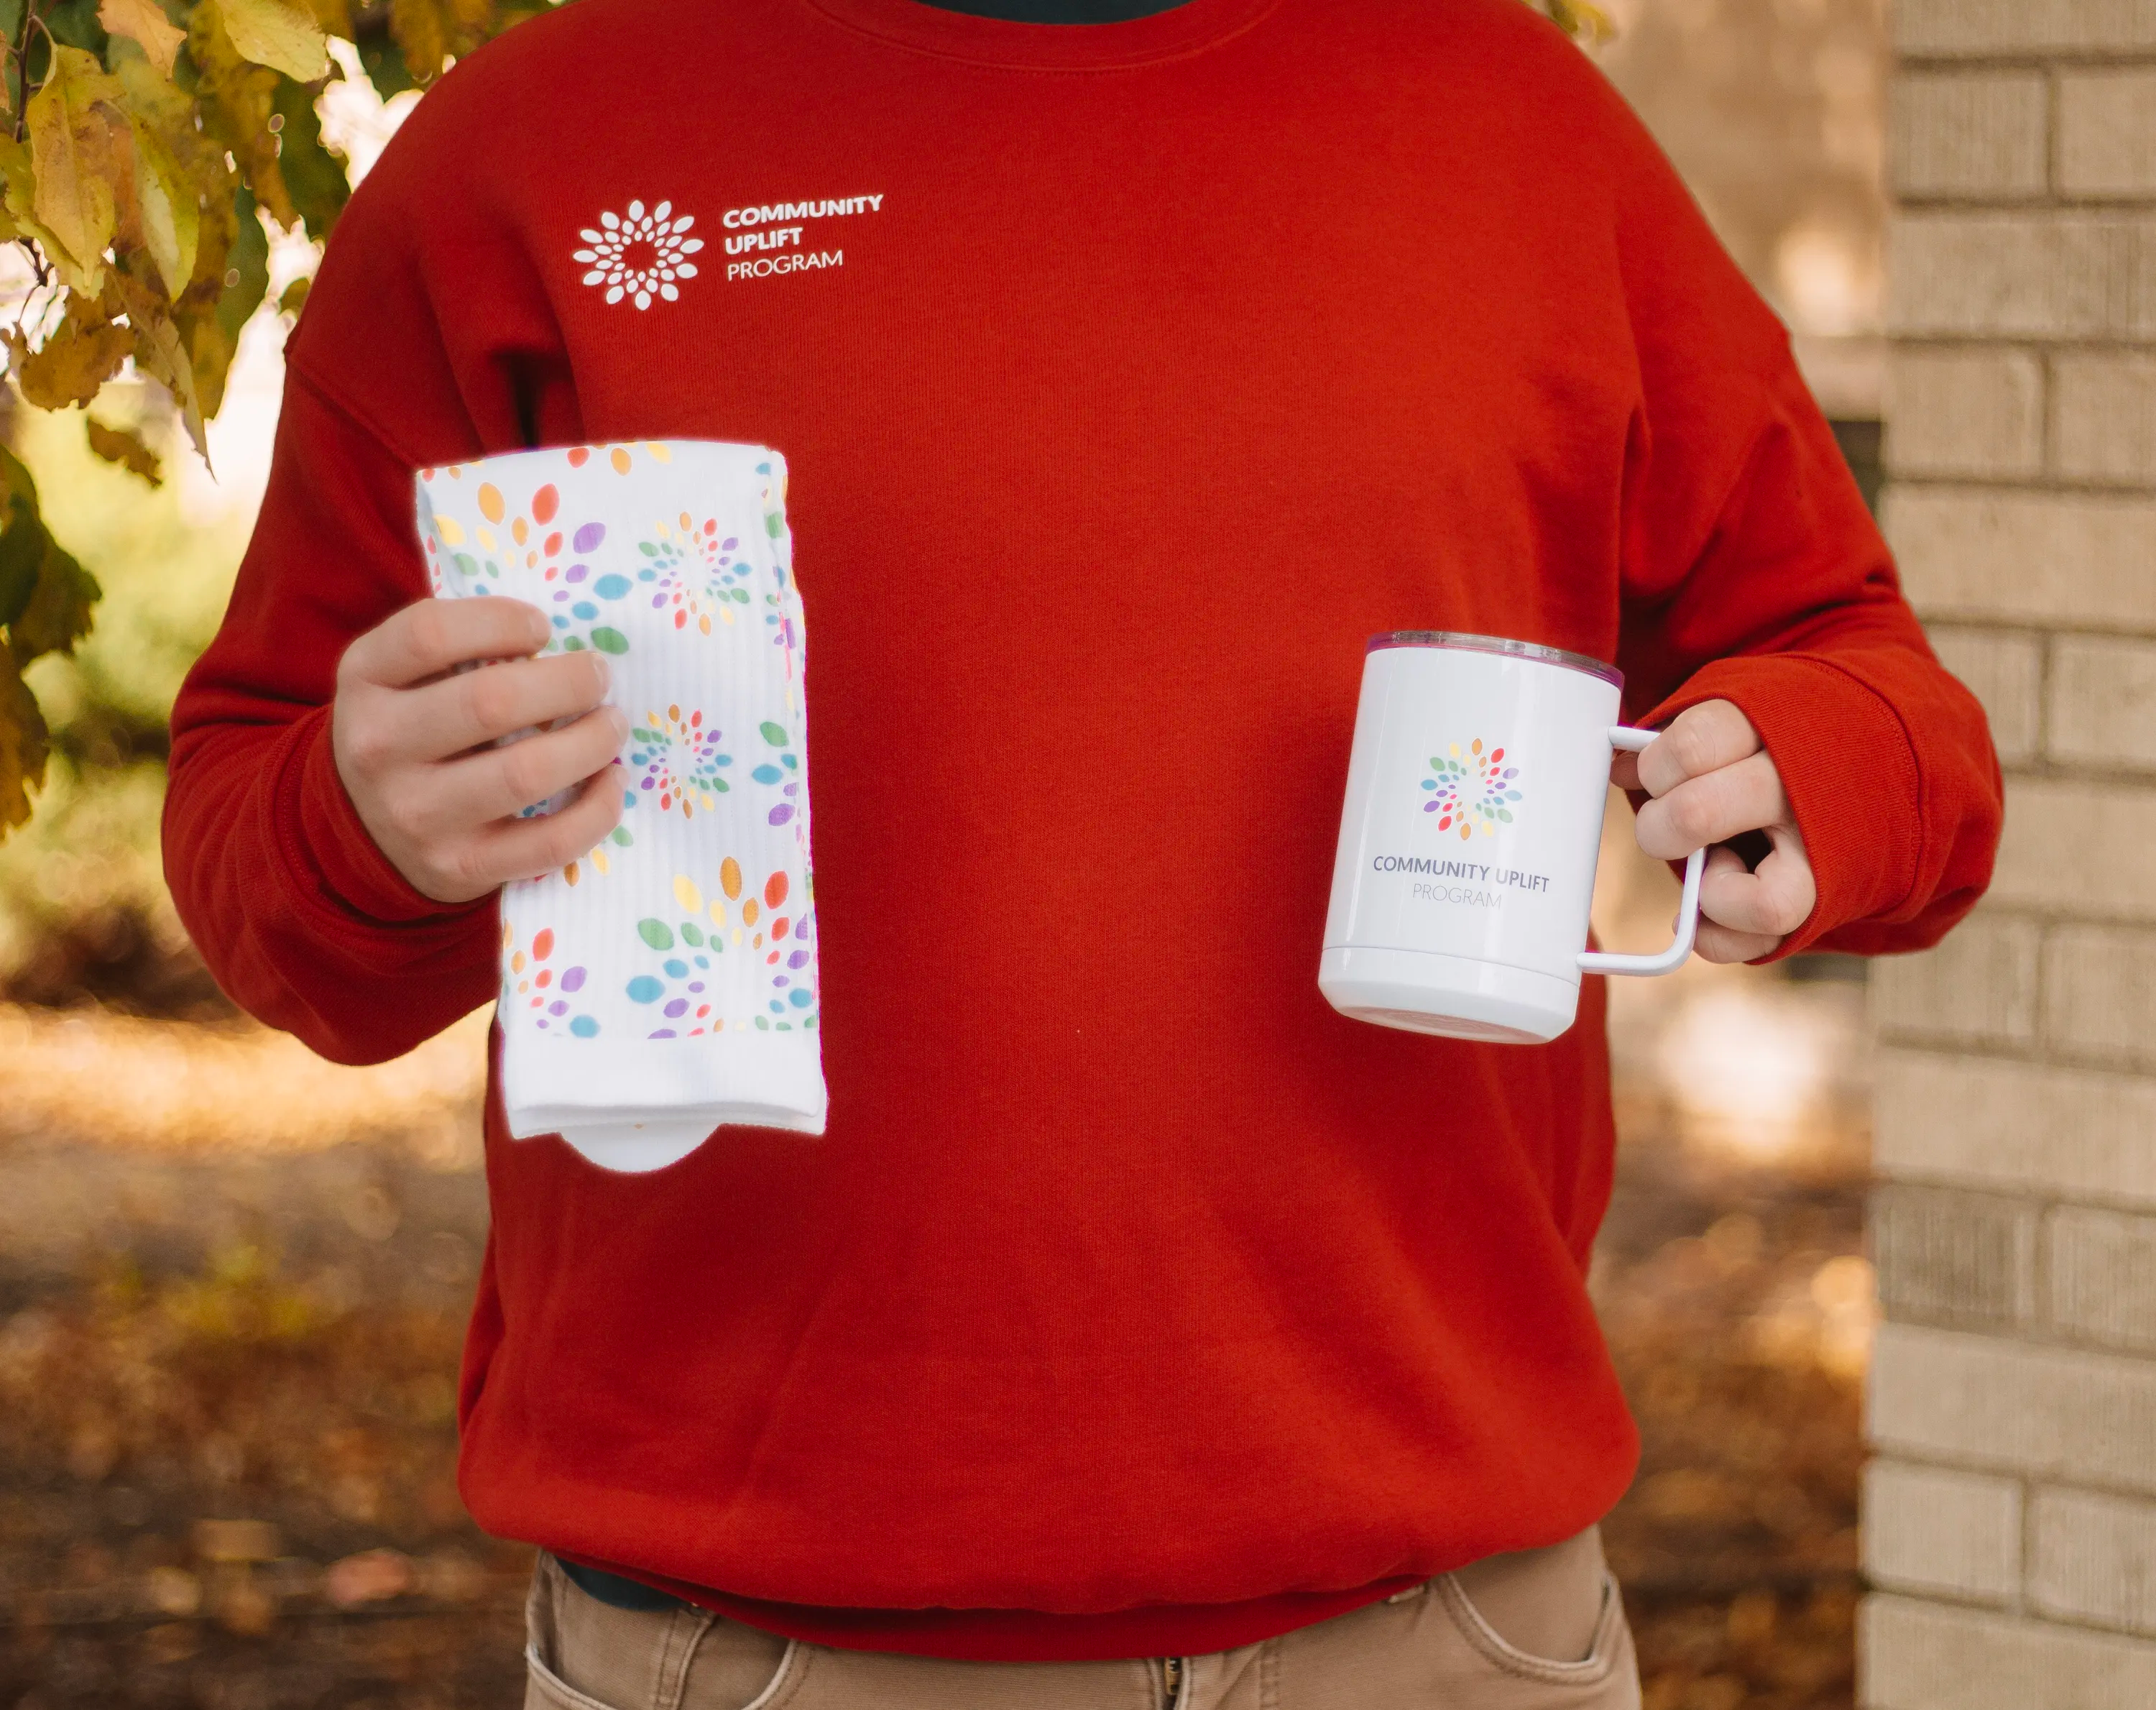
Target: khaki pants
x=1493 y=1637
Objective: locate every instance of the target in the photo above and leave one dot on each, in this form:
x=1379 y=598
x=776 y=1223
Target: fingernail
x=606 y=671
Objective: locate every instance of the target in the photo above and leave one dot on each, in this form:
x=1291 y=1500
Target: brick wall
x=2010 y=1515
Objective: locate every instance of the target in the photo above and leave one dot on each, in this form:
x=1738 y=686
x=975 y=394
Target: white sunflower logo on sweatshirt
x=639 y=255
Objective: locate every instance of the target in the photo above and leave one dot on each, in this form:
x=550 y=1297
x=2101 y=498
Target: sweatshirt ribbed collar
x=1189 y=28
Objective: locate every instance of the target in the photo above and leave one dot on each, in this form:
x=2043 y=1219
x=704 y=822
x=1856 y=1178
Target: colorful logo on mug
x=1472 y=791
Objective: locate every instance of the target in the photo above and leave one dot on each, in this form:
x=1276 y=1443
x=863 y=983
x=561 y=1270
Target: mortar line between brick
x=2052 y=106
x=2121 y=350
x=2026 y=1486
x=1997 y=1328
x=2027 y=1621
x=2043 y=646
x=2020 y=628
x=2047 y=420
x=2052 y=1194
x=2136 y=58
x=2039 y=204
x=1934 y=1458
x=2048 y=487
x=1935 y=1591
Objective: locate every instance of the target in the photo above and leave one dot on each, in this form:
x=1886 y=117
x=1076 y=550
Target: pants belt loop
x=685 y=1631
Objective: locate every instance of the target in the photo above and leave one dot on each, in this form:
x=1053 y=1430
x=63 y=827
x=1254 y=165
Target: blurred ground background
x=234 y=1279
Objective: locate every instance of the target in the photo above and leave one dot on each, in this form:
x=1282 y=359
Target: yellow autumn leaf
x=144 y=23
x=236 y=99
x=209 y=356
x=21 y=181
x=172 y=221
x=72 y=135
x=1578 y=18
x=275 y=33
x=125 y=447
x=177 y=161
x=422 y=33
x=430 y=31
x=160 y=352
x=82 y=353
x=23 y=743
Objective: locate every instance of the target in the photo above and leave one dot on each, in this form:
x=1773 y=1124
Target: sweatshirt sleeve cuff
x=337 y=857
x=1848 y=769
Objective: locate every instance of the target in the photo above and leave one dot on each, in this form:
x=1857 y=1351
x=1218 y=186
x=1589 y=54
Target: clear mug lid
x=1498 y=643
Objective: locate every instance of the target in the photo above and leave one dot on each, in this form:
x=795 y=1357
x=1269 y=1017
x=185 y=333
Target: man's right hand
x=413 y=738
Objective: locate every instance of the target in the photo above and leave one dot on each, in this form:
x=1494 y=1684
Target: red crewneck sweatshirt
x=1130 y=377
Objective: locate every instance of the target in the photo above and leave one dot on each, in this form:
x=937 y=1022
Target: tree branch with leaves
x=143 y=146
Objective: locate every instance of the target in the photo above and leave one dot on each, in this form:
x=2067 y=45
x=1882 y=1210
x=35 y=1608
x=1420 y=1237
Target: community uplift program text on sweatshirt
x=1130 y=377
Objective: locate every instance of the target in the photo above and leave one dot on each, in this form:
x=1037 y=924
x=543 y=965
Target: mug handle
x=1630 y=741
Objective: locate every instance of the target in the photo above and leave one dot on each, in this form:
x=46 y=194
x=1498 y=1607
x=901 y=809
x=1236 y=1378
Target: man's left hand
x=1711 y=781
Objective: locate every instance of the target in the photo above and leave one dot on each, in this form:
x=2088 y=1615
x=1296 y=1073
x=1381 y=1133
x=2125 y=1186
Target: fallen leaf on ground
x=372 y=1576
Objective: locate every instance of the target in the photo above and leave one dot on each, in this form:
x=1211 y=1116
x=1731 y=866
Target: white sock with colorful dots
x=664 y=984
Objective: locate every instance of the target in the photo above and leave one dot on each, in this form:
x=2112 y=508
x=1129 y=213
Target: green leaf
x=383 y=60
x=609 y=640
x=15 y=479
x=246 y=271
x=276 y=34
x=656 y=933
x=74 y=23
x=313 y=173
x=21 y=550
x=774 y=734
x=58 y=613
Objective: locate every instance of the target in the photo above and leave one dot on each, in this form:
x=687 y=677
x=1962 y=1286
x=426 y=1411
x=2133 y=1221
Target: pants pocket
x=545 y=1690
x=580 y=1654
x=1611 y=1642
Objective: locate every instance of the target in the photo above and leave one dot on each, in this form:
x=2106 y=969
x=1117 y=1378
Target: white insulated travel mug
x=1468 y=841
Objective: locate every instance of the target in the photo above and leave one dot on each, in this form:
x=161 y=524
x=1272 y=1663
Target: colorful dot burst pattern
x=780 y=769
x=534 y=538
x=1471 y=792
x=600 y=858
x=551 y=993
x=696 y=578
x=754 y=919
x=681 y=761
x=779 y=618
x=697 y=574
